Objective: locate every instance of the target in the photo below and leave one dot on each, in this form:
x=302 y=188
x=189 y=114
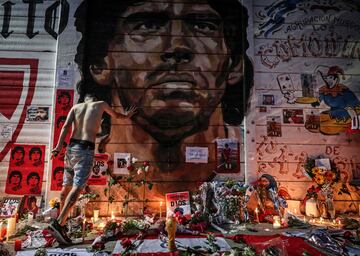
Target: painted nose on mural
x=178 y=56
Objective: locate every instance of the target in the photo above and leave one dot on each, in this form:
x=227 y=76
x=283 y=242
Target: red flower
x=126 y=243
x=99 y=246
x=110 y=163
x=348 y=235
x=146 y=163
x=130 y=168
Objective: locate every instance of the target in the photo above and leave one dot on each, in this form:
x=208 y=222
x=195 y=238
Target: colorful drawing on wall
x=293 y=116
x=342 y=101
x=227 y=156
x=37 y=114
x=287 y=87
x=267 y=99
x=9 y=206
x=98 y=172
x=26 y=170
x=23 y=74
x=178 y=94
x=312 y=121
x=273 y=126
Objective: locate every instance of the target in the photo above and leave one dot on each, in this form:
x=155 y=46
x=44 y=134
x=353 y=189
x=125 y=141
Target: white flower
x=133 y=160
x=139 y=171
x=146 y=168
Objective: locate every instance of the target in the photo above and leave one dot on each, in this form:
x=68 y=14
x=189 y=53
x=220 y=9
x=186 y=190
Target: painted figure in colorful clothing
x=342 y=102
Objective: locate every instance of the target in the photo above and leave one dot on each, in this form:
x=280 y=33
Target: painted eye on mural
x=203 y=26
x=149 y=26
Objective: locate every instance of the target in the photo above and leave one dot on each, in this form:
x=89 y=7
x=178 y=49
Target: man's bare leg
x=69 y=204
x=64 y=193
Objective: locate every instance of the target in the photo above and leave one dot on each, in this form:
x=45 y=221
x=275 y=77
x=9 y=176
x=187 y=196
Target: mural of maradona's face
x=170 y=59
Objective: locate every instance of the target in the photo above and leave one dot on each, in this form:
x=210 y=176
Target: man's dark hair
x=59 y=120
x=56 y=170
x=33 y=150
x=15 y=173
x=64 y=94
x=30 y=200
x=97 y=20
x=32 y=174
x=17 y=148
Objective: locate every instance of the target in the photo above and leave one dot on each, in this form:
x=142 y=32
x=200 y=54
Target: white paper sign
x=197 y=154
x=121 y=162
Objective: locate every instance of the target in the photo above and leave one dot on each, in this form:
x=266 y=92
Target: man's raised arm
x=64 y=130
x=127 y=114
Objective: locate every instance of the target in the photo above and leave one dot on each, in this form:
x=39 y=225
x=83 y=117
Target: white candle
x=295 y=211
x=96 y=215
x=276 y=223
x=161 y=208
x=83 y=229
x=11 y=224
x=1 y=224
x=321 y=220
x=112 y=215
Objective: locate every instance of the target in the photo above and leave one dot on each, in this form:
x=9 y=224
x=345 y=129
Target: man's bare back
x=85 y=118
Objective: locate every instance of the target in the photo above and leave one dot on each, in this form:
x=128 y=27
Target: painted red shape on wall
x=16 y=84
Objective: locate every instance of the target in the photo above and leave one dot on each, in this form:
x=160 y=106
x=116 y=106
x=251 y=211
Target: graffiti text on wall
x=49 y=21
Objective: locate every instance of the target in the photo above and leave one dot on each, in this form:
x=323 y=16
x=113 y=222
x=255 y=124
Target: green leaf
x=150 y=186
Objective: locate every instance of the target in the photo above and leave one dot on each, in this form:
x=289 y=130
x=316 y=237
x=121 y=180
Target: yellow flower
x=53 y=201
x=319 y=179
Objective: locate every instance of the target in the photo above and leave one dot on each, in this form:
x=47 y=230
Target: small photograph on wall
x=227 y=156
x=312 y=121
x=37 y=114
x=273 y=125
x=267 y=99
x=293 y=116
x=121 y=162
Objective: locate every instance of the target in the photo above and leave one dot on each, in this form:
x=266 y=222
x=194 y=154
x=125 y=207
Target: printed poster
x=26 y=168
x=98 y=171
x=178 y=201
x=9 y=206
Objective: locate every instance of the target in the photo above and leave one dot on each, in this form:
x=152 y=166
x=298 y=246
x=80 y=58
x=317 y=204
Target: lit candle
x=96 y=215
x=83 y=229
x=10 y=227
x=295 y=211
x=276 y=223
x=321 y=220
x=1 y=224
x=112 y=215
x=160 y=208
x=257 y=214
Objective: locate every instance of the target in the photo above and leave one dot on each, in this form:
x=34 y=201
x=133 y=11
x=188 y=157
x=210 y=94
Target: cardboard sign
x=178 y=201
x=98 y=171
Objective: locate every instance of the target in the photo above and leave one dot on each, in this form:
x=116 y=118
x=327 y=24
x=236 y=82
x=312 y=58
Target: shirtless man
x=86 y=120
